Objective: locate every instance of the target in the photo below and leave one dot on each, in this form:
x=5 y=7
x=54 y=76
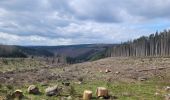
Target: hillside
x=72 y=50
x=126 y=78
x=71 y=54
x=120 y=69
x=20 y=51
x=11 y=51
x=157 y=44
x=154 y=45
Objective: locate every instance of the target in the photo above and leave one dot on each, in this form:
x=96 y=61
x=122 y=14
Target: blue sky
x=67 y=22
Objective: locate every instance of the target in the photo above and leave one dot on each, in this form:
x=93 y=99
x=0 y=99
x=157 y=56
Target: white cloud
x=11 y=39
x=58 y=22
x=3 y=12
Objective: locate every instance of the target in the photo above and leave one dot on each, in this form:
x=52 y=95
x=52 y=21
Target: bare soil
x=126 y=69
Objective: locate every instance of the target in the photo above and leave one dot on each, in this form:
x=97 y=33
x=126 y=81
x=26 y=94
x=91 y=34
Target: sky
x=68 y=22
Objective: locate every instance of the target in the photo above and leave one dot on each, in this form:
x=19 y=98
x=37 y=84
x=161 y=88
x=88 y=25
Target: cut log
x=102 y=92
x=51 y=91
x=32 y=89
x=87 y=95
x=167 y=88
x=107 y=71
x=160 y=68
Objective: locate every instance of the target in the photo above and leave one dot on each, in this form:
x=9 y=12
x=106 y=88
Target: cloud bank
x=65 y=22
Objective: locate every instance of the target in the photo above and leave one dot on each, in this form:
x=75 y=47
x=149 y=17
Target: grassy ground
x=122 y=91
x=11 y=64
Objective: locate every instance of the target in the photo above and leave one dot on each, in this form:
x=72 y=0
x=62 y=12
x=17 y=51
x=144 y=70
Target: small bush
x=5 y=61
x=81 y=79
x=72 y=91
x=10 y=87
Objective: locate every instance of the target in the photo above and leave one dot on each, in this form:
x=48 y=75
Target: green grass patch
x=123 y=91
x=15 y=64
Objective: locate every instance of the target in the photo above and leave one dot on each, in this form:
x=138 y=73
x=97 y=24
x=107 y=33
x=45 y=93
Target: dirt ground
x=109 y=69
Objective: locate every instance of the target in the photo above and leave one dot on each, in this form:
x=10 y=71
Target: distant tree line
x=157 y=44
x=92 y=55
x=11 y=51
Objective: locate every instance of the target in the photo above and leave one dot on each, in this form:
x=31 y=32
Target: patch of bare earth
x=111 y=69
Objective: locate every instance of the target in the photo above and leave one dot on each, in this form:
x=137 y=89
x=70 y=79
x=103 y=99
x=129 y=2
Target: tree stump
x=17 y=94
x=102 y=92
x=87 y=95
x=32 y=89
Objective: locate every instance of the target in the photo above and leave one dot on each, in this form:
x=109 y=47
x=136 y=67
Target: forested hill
x=71 y=53
x=157 y=44
x=21 y=51
x=10 y=51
